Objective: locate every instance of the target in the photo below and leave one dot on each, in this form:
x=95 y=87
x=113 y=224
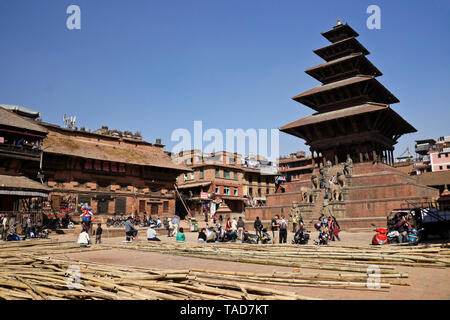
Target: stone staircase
x=368 y=196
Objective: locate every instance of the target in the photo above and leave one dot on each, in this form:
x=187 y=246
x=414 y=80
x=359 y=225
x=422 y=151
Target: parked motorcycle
x=250 y=238
x=380 y=238
x=384 y=237
x=323 y=236
x=265 y=237
x=301 y=237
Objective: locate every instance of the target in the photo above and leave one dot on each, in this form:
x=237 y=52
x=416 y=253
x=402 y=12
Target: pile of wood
x=350 y=267
x=25 y=274
x=351 y=259
x=29 y=270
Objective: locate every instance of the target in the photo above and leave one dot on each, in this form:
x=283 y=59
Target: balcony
x=23 y=152
x=421 y=165
x=423 y=147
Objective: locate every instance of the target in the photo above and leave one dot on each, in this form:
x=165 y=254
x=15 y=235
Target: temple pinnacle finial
x=339 y=22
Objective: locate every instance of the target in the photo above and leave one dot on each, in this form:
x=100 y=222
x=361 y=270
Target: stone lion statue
x=315 y=181
x=340 y=179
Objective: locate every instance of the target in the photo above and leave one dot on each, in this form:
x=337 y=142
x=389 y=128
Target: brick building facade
x=114 y=174
x=221 y=175
x=21 y=192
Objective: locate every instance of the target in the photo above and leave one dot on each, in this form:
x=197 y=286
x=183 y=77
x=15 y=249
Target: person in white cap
x=151 y=234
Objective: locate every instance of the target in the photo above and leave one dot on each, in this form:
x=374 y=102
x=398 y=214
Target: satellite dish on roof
x=69 y=122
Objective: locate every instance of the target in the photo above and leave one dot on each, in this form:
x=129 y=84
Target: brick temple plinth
x=371 y=193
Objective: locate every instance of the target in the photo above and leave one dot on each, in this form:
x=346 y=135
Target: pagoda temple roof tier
x=340 y=32
x=341 y=49
x=368 y=137
x=376 y=118
x=346 y=93
x=343 y=68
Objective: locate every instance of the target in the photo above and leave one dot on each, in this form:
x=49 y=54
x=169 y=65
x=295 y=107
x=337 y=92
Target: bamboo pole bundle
x=428 y=257
x=47 y=278
x=28 y=271
x=329 y=280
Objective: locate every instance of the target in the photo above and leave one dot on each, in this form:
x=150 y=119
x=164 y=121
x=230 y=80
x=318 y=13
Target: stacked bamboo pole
x=329 y=258
x=26 y=274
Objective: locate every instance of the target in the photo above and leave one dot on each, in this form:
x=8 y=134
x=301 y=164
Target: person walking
x=29 y=226
x=234 y=225
x=336 y=229
x=170 y=227
x=87 y=217
x=274 y=226
x=98 y=233
x=240 y=228
x=228 y=225
x=283 y=230
x=12 y=224
x=176 y=225
x=294 y=224
x=258 y=227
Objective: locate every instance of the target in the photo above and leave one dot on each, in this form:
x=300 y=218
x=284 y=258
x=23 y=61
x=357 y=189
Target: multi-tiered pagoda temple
x=353 y=114
x=353 y=117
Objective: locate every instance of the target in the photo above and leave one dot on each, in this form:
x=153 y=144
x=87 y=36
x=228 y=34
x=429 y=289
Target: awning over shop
x=22 y=186
x=232 y=198
x=24 y=193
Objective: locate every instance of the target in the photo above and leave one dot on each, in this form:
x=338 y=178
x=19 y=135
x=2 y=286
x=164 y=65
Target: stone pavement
x=426 y=283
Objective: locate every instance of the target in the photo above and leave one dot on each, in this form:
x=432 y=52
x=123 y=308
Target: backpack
x=283 y=225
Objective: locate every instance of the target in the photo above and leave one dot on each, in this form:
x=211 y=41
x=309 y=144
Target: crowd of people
x=234 y=229
x=12 y=229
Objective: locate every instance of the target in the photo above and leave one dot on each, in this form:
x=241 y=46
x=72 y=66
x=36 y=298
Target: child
x=98 y=234
x=181 y=236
